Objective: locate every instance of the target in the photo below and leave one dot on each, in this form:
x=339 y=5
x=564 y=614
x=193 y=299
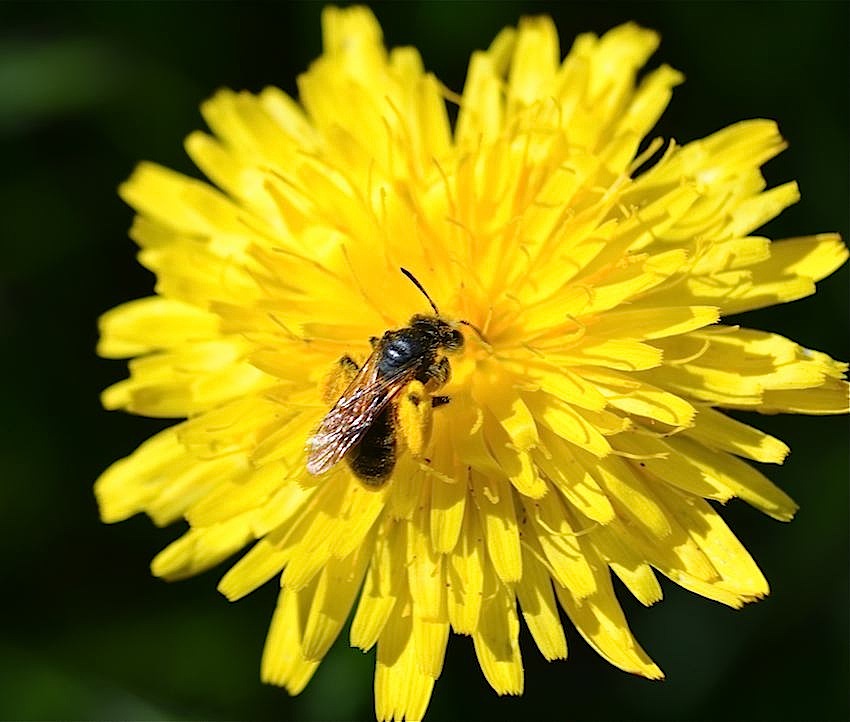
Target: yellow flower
x=584 y=434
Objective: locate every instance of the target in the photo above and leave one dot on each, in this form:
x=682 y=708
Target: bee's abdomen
x=373 y=458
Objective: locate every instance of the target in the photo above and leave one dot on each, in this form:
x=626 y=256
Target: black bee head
x=452 y=339
x=442 y=333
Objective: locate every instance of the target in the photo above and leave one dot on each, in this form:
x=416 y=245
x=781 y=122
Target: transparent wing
x=353 y=413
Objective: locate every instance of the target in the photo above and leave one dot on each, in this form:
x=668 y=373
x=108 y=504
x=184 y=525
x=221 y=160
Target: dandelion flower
x=586 y=434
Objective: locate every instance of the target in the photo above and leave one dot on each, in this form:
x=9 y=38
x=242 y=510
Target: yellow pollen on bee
x=414 y=415
x=337 y=379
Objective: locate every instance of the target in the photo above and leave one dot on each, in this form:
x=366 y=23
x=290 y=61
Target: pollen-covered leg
x=338 y=379
x=413 y=414
x=438 y=374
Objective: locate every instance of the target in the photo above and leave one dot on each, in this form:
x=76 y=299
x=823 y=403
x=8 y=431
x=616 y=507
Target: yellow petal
x=537 y=601
x=563 y=552
x=653 y=457
x=466 y=576
x=283 y=663
x=402 y=689
x=738 y=572
x=732 y=254
x=200 y=549
x=814 y=257
x=260 y=564
x=448 y=502
x=231 y=498
x=632 y=396
x=613 y=65
x=535 y=60
x=480 y=114
x=628 y=564
x=384 y=586
x=150 y=324
x=515 y=418
x=739 y=477
x=162 y=479
x=602 y=624
x=629 y=495
x=496 y=639
x=425 y=573
x=181 y=203
x=567 y=386
x=430 y=640
x=408 y=487
x=316 y=532
x=358 y=517
x=567 y=423
x=754 y=212
x=653 y=322
x=619 y=354
x=831 y=397
x=494 y=499
x=186 y=380
x=514 y=462
x=576 y=485
x=650 y=100
x=338 y=584
x=719 y=431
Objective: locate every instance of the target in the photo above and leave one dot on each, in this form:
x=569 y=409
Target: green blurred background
x=88 y=90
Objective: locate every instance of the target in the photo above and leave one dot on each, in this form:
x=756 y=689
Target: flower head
x=585 y=431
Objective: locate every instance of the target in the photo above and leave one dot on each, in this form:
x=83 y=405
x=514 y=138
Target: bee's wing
x=353 y=413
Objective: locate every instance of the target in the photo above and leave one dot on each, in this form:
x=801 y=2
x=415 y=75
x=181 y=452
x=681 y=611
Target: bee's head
x=444 y=334
x=452 y=339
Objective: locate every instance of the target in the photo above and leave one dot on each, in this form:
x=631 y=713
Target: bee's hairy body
x=417 y=346
x=373 y=458
x=364 y=425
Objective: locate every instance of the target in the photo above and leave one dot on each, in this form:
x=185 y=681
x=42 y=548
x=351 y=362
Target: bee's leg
x=438 y=373
x=413 y=414
x=349 y=364
x=338 y=378
x=439 y=401
x=373 y=341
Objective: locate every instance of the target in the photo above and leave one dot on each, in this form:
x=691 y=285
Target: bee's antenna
x=477 y=330
x=419 y=286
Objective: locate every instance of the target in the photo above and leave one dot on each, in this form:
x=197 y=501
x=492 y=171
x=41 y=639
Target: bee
x=405 y=366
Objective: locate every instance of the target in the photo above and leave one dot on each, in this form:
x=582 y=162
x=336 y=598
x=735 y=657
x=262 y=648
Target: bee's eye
x=454 y=340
